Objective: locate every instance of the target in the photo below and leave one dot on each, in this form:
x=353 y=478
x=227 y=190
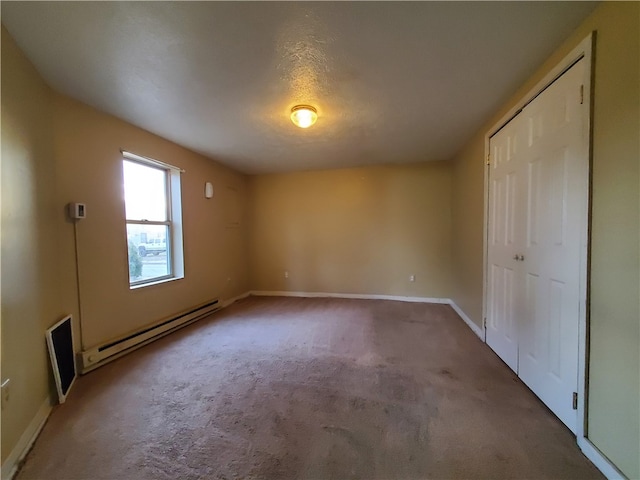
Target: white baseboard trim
x=29 y=436
x=470 y=323
x=232 y=300
x=26 y=441
x=399 y=298
x=601 y=462
x=447 y=301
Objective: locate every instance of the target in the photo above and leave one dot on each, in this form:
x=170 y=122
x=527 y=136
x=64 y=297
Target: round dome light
x=304 y=116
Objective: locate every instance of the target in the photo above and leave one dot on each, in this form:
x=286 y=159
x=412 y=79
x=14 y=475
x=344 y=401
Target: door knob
x=516 y=257
x=521 y=258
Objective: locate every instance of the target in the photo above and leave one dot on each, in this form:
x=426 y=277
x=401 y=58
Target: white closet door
x=555 y=209
x=505 y=236
x=538 y=194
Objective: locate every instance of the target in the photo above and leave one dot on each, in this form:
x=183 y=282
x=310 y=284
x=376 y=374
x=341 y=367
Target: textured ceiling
x=392 y=81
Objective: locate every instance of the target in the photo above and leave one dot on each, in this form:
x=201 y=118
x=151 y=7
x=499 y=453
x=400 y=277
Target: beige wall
x=54 y=151
x=614 y=389
x=361 y=230
x=87 y=146
x=30 y=301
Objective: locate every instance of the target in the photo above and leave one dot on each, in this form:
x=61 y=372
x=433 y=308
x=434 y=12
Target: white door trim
x=584 y=50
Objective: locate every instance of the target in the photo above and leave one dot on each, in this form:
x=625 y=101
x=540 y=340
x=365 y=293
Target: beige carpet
x=281 y=388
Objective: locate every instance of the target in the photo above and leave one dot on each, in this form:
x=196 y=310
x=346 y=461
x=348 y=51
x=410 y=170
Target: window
x=154 y=220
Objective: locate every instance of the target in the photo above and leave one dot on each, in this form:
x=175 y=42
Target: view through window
x=148 y=214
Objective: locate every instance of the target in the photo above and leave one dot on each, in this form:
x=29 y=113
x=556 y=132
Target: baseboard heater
x=100 y=355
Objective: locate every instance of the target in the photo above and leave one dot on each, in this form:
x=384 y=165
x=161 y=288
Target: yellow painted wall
x=614 y=379
x=30 y=302
x=360 y=230
x=87 y=144
x=55 y=151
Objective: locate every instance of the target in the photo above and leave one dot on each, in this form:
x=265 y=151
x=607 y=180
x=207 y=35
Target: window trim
x=173 y=222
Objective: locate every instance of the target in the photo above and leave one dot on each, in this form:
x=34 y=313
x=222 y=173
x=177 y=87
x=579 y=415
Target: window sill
x=156 y=282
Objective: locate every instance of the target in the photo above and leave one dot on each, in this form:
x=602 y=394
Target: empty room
x=320 y=240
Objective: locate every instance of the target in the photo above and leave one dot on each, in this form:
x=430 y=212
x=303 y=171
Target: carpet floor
x=294 y=388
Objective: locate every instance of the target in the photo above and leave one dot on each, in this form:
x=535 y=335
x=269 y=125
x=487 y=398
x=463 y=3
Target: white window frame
x=173 y=195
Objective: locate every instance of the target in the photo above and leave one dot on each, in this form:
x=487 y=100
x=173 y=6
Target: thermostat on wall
x=77 y=210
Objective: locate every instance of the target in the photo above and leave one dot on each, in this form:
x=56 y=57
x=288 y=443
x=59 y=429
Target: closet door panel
x=505 y=227
x=556 y=202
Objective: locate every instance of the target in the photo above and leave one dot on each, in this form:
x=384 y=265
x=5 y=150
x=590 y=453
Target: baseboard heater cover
x=98 y=356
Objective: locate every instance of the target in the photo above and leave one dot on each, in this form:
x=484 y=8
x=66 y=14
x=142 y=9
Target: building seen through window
x=149 y=207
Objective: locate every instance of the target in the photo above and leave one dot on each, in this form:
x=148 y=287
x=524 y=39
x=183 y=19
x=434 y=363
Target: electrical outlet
x=412 y=278
x=5 y=391
x=286 y=274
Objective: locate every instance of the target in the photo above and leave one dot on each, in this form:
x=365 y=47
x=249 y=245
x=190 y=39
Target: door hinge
x=484 y=323
x=575 y=400
x=489 y=159
x=581 y=94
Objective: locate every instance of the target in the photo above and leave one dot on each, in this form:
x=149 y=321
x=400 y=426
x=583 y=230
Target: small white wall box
x=61 y=352
x=208 y=190
x=77 y=210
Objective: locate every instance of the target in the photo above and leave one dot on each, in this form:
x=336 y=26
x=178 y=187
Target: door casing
x=584 y=50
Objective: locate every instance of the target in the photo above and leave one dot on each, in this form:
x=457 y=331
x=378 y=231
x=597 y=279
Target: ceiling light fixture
x=303 y=116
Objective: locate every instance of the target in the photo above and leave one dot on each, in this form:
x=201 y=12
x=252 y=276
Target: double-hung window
x=154 y=220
